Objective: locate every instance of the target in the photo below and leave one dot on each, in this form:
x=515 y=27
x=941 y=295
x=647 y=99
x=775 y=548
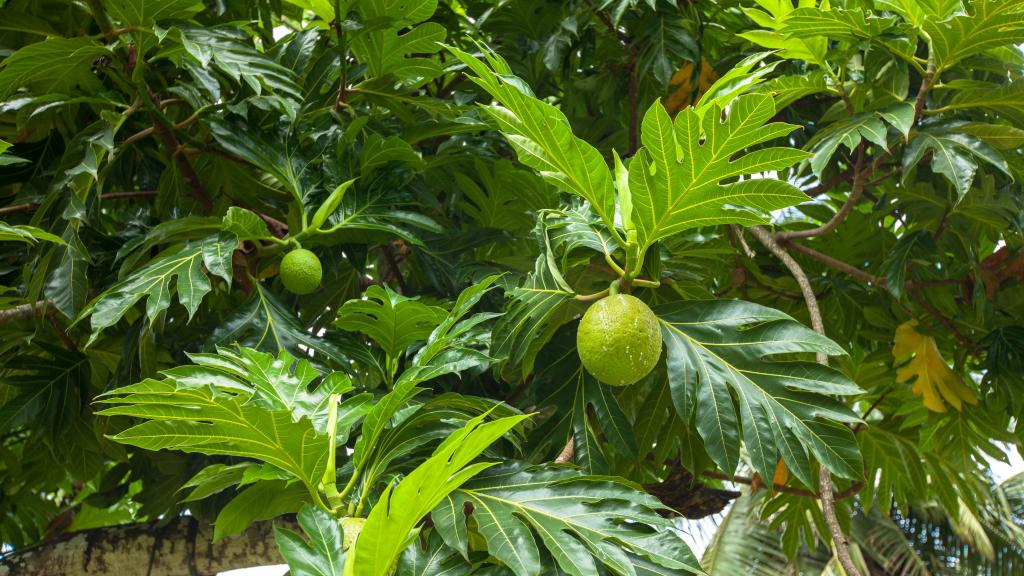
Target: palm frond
x=743 y=544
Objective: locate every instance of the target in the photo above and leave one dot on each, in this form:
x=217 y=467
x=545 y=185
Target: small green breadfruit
x=350 y=527
x=619 y=340
x=301 y=271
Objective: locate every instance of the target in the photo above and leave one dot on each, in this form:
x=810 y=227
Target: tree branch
x=851 y=200
x=187 y=172
x=825 y=488
x=829 y=184
x=849 y=492
x=21 y=312
x=836 y=264
x=607 y=21
x=149 y=131
x=29 y=206
x=946 y=323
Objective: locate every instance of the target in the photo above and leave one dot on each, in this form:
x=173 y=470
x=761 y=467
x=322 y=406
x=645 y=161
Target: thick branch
x=173 y=147
x=608 y=23
x=29 y=206
x=859 y=177
x=783 y=489
x=149 y=131
x=924 y=303
x=20 y=312
x=825 y=488
x=837 y=264
x=184 y=546
x=18 y=208
x=829 y=184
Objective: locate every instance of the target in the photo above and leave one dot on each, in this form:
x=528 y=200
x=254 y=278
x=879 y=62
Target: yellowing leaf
x=681 y=85
x=781 y=475
x=934 y=381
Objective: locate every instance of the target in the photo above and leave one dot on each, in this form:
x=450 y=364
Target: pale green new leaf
x=211 y=420
x=329 y=205
x=8 y=159
x=183 y=267
x=584 y=522
x=789 y=89
x=281 y=382
x=30 y=235
x=377 y=419
x=838 y=23
x=991 y=24
x=393 y=321
x=245 y=224
x=457 y=343
x=743 y=77
x=214 y=479
x=542 y=136
x=414 y=427
x=916 y=11
x=720 y=356
x=391 y=523
x=676 y=179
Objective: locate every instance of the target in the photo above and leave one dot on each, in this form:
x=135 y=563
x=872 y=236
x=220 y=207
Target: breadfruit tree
x=520 y=287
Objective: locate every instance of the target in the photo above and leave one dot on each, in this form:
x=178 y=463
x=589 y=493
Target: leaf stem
x=592 y=297
x=347 y=490
x=100 y=15
x=330 y=481
x=613 y=264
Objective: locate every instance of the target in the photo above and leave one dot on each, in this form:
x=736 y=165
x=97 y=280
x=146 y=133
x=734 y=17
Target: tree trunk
x=183 y=547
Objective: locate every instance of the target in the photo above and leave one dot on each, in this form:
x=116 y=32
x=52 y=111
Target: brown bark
x=183 y=547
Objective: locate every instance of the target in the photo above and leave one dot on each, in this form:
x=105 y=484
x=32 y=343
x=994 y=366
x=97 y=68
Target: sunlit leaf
x=933 y=380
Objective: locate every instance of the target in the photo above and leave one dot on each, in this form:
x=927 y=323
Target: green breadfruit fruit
x=301 y=271
x=619 y=340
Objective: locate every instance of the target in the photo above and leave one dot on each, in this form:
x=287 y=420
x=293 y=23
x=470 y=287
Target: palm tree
x=923 y=540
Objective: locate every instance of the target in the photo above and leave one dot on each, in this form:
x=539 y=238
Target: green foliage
x=576 y=518
x=675 y=180
x=323 y=554
x=471 y=177
x=715 y=350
